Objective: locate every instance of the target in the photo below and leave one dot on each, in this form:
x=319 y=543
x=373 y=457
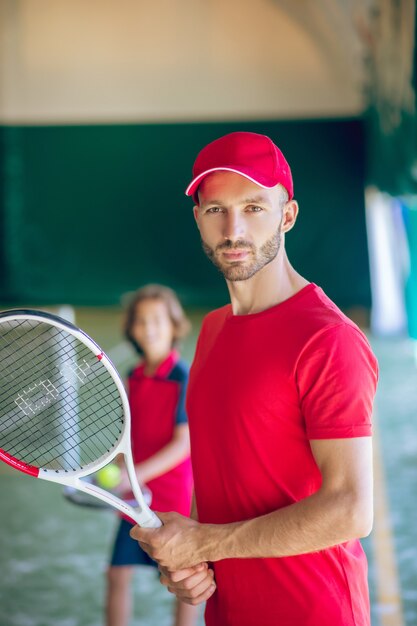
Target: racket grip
x=148 y=519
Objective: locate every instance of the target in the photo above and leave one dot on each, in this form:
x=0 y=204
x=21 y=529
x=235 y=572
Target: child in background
x=154 y=323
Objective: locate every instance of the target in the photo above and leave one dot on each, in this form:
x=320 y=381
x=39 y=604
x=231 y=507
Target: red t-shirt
x=260 y=387
x=157 y=405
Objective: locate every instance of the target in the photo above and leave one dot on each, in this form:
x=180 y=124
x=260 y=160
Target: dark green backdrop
x=89 y=212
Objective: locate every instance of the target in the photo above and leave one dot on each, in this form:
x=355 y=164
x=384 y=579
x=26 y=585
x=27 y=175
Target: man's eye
x=214 y=209
x=255 y=209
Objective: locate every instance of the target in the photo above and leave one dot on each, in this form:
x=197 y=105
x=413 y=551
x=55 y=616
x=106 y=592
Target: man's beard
x=260 y=257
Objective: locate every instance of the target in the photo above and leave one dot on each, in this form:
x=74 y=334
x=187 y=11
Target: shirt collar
x=163 y=368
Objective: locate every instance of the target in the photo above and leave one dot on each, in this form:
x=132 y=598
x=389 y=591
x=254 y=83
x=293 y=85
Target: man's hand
x=192 y=586
x=176 y=545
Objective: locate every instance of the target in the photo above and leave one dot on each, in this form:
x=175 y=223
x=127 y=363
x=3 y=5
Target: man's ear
x=289 y=216
x=195 y=212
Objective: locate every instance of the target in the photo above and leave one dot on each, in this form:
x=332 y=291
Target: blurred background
x=103 y=108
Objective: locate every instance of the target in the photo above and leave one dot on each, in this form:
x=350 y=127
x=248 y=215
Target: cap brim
x=193 y=186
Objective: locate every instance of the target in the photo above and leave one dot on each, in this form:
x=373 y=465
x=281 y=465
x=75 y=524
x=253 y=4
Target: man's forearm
x=339 y=511
x=315 y=523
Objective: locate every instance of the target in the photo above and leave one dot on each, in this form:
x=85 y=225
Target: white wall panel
x=131 y=60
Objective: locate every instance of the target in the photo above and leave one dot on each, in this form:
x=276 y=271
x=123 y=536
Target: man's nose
x=234 y=227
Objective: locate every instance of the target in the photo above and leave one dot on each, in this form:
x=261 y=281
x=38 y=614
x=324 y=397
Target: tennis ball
x=109 y=477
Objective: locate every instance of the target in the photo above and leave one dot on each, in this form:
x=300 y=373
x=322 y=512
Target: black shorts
x=127 y=551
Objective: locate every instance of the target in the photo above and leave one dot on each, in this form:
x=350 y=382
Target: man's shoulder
x=318 y=312
x=323 y=323
x=313 y=319
x=217 y=316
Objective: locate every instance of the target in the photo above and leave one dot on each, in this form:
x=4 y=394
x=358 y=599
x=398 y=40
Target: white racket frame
x=141 y=514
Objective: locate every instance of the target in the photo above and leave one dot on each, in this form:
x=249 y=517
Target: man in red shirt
x=279 y=406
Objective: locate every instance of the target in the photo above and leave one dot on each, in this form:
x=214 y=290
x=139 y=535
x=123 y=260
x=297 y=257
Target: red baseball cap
x=253 y=156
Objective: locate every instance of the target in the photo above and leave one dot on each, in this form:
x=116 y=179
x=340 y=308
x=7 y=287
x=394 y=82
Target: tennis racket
x=64 y=412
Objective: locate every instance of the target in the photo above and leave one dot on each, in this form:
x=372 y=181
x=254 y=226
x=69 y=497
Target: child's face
x=152 y=329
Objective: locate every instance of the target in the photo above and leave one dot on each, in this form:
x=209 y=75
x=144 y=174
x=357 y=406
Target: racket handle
x=148 y=519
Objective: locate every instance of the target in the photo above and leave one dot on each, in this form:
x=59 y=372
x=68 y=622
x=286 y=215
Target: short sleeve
x=180 y=375
x=337 y=375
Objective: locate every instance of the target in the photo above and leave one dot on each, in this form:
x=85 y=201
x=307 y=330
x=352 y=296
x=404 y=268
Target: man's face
x=240 y=224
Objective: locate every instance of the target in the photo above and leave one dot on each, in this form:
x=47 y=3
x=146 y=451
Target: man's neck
x=273 y=284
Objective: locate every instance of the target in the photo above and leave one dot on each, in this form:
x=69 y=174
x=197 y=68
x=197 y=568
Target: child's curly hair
x=180 y=322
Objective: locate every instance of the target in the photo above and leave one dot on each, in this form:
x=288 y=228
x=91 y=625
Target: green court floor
x=53 y=554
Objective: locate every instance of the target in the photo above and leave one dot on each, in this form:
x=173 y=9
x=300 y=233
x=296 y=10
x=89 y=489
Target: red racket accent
x=23 y=467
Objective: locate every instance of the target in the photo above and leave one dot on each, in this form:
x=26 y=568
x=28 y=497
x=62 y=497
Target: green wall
x=91 y=211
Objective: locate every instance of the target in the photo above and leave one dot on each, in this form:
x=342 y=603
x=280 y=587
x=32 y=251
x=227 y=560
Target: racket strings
x=59 y=406
x=9 y=357
x=104 y=403
x=16 y=362
x=33 y=438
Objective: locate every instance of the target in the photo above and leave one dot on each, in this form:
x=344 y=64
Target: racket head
x=63 y=408
x=64 y=412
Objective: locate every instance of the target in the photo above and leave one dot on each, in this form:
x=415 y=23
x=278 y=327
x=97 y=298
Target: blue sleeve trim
x=179 y=374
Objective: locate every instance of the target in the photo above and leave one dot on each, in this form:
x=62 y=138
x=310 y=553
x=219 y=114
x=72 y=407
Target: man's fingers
x=142 y=534
x=181 y=574
x=188 y=583
x=195 y=598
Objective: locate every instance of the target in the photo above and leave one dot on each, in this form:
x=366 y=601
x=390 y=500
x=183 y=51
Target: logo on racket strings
x=37 y=397
x=75 y=373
